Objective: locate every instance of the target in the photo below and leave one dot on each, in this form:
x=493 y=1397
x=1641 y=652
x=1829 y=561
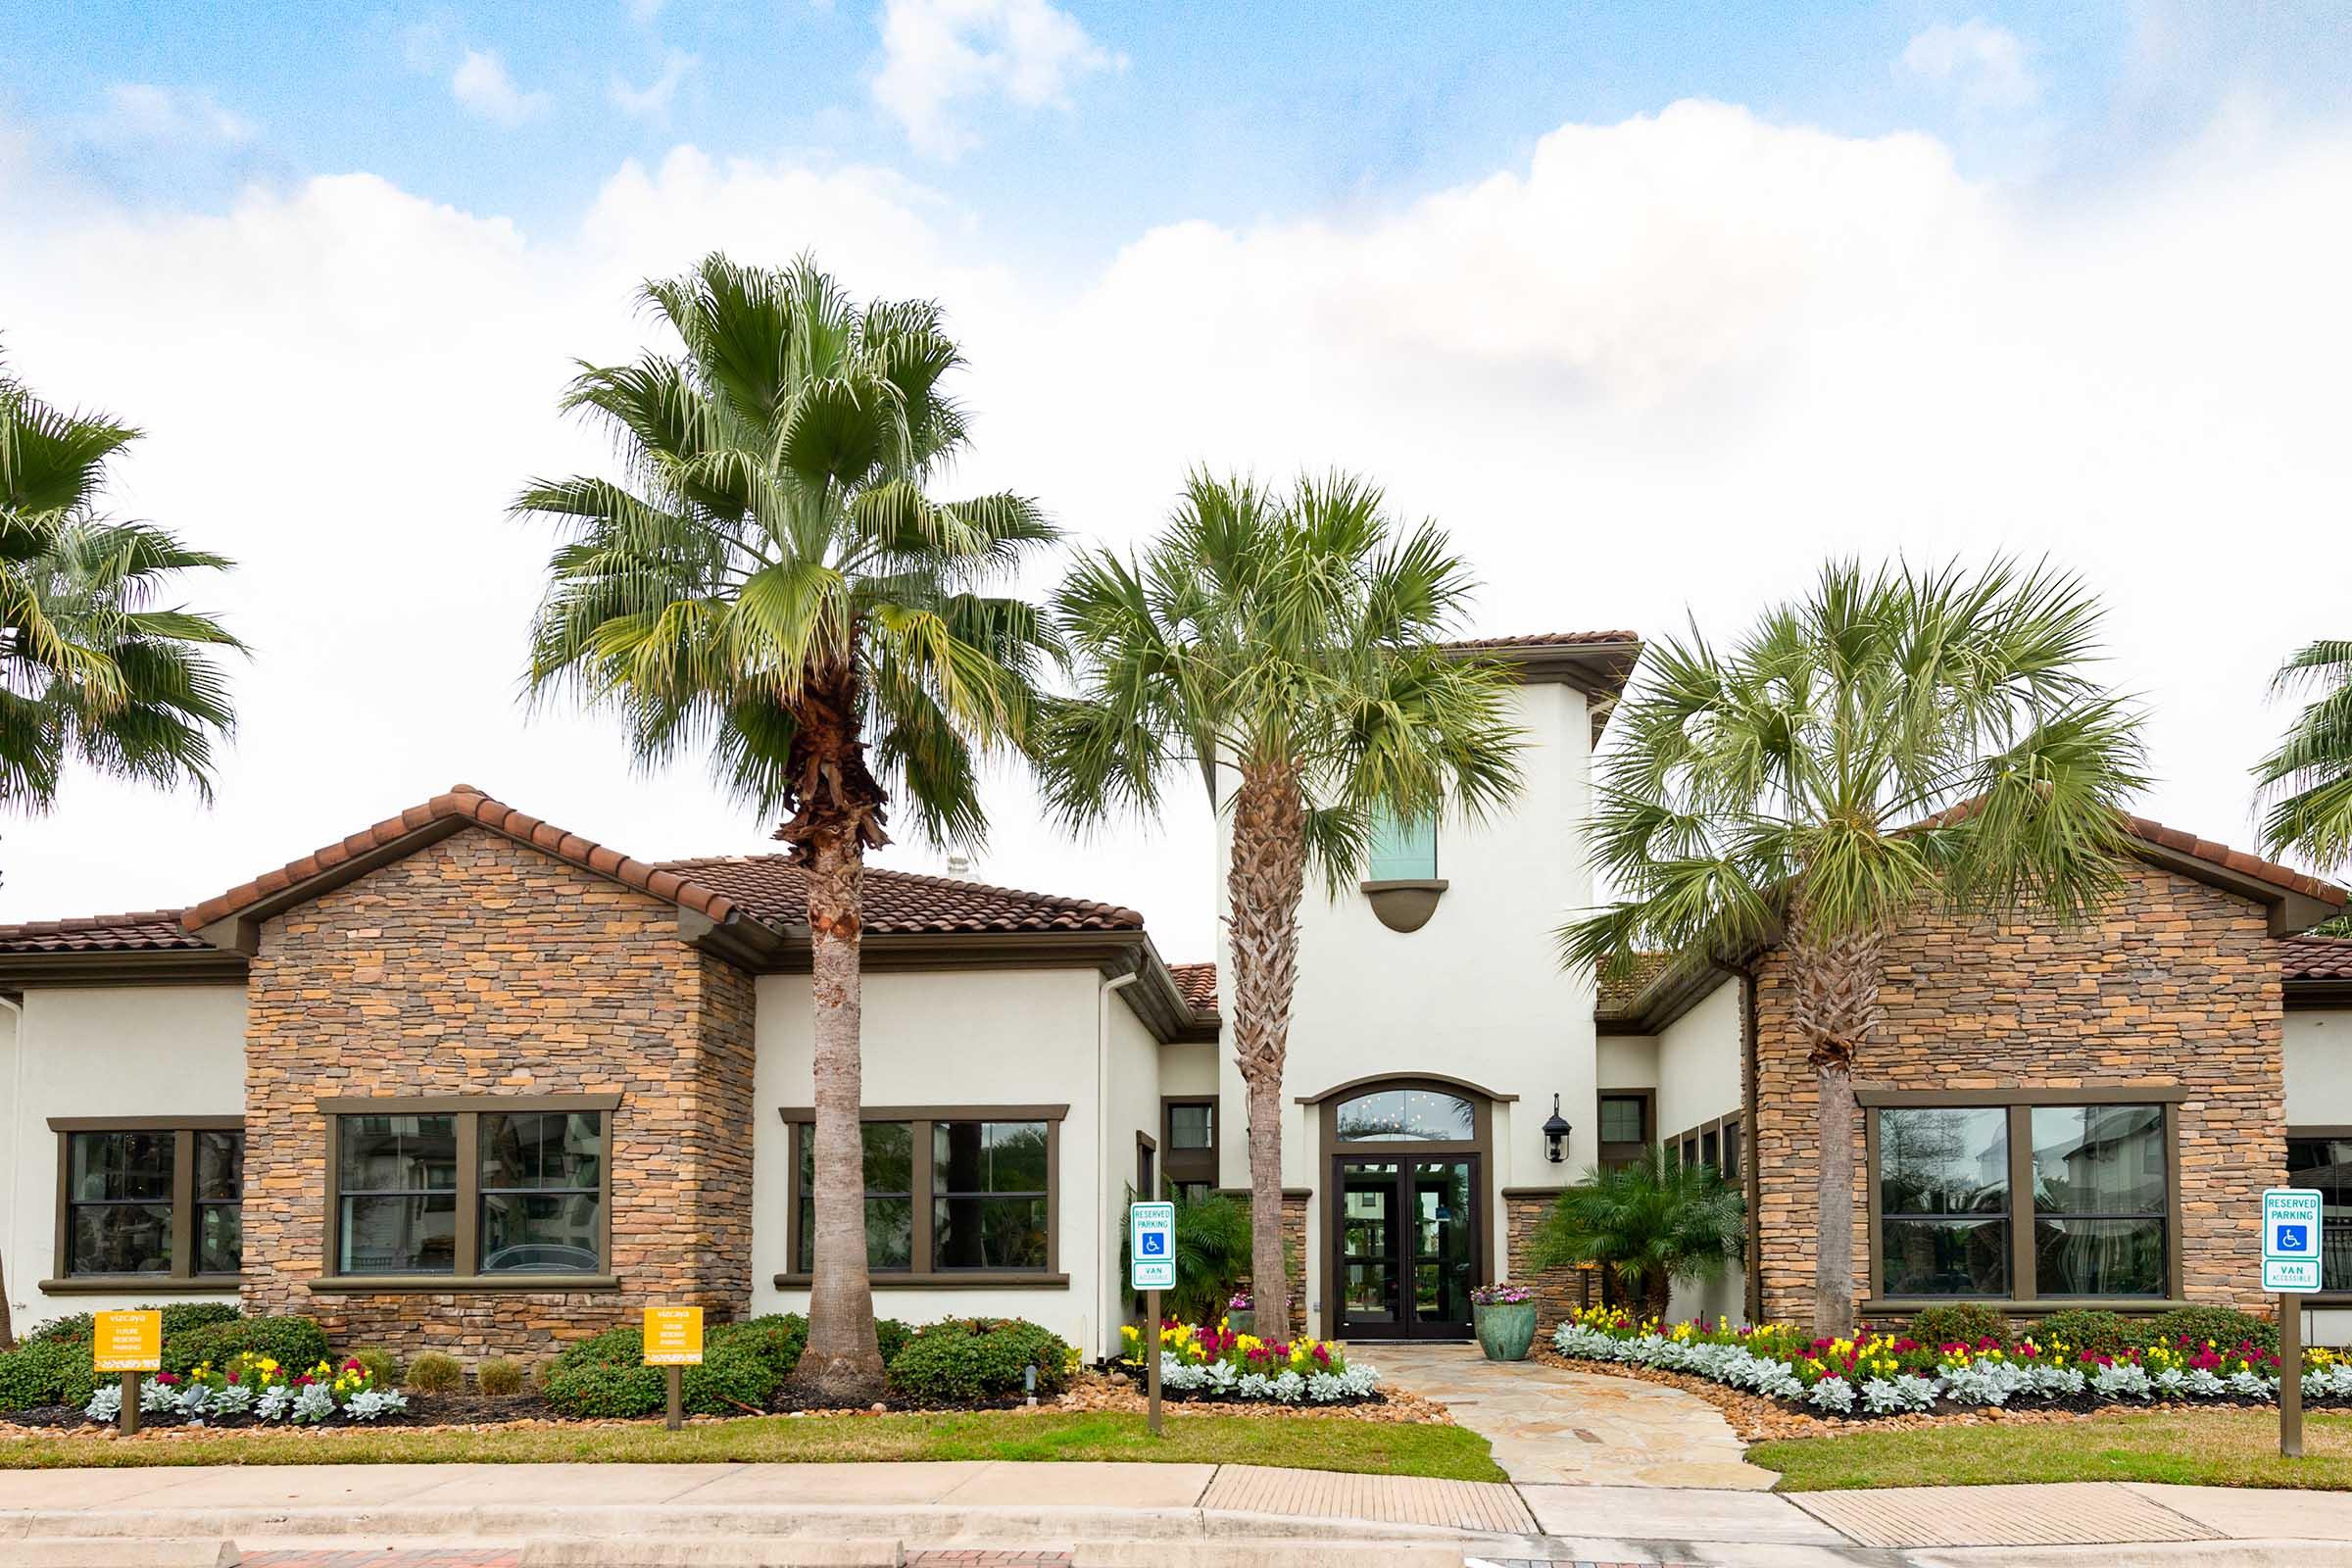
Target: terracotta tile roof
x=466 y=802
x=1617 y=995
x=901 y=901
x=2310 y=958
x=2238 y=860
x=1198 y=983
x=151 y=931
x=1549 y=639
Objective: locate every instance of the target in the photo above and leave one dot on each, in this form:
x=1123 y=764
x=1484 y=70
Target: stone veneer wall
x=2178 y=984
x=1562 y=1291
x=478 y=965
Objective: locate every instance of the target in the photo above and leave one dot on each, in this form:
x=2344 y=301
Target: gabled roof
x=2318 y=967
x=1198 y=983
x=776 y=891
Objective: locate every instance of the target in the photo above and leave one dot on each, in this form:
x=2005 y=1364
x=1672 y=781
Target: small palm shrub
x=2089 y=1331
x=1654 y=1220
x=1960 y=1323
x=2226 y=1327
x=436 y=1373
x=968 y=1361
x=499 y=1377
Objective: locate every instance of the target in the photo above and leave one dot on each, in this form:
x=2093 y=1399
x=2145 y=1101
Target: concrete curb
x=152 y=1552
x=734 y=1551
x=1262 y=1555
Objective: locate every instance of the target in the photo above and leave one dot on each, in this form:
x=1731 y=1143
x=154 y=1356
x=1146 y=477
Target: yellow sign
x=127 y=1342
x=673 y=1336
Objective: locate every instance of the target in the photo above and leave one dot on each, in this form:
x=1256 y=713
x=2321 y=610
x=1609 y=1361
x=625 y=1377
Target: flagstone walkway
x=1551 y=1425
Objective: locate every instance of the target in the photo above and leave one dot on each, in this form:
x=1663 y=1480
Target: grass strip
x=2202 y=1448
x=1365 y=1448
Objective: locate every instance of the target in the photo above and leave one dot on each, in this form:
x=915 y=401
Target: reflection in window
x=889 y=1152
x=1624 y=1119
x=542 y=1193
x=2325 y=1164
x=398 y=1182
x=2098 y=1201
x=989 y=1185
x=220 y=1201
x=1407 y=1115
x=1943 y=1200
x=120 y=1203
x=1193 y=1125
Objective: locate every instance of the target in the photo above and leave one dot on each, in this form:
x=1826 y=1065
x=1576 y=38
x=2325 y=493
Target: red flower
x=167 y=1379
x=304 y=1380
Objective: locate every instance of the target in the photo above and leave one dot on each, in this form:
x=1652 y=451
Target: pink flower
x=167 y=1379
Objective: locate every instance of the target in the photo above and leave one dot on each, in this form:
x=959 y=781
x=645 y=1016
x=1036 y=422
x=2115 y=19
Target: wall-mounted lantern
x=1556 y=1134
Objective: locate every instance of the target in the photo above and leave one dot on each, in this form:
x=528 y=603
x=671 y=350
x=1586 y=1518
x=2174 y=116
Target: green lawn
x=2204 y=1447
x=1371 y=1447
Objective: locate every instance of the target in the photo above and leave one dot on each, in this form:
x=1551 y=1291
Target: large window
x=2323 y=1159
x=1402 y=852
x=1189 y=1144
x=951 y=1193
x=1406 y=1115
x=1625 y=1127
x=489 y=1191
x=155 y=1202
x=2019 y=1202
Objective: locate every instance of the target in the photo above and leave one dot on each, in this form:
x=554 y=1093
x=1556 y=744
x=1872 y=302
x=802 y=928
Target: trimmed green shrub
x=2226 y=1327
x=775 y=1340
x=1960 y=1323
x=623 y=1343
x=499 y=1377
x=435 y=1373
x=296 y=1344
x=76 y=1328
x=381 y=1364
x=603 y=1389
x=729 y=1382
x=604 y=1376
x=892 y=1335
x=53 y=1371
x=965 y=1362
x=183 y=1318
x=2089 y=1331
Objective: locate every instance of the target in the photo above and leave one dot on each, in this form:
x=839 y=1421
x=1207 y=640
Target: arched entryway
x=1405 y=1208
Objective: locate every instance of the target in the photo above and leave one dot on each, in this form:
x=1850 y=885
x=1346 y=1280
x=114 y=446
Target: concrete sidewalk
x=1112 y=1515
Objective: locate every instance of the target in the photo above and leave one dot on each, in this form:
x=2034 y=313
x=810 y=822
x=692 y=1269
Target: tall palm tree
x=92 y=669
x=2308 y=779
x=1288 y=640
x=772 y=581
x=1894 y=741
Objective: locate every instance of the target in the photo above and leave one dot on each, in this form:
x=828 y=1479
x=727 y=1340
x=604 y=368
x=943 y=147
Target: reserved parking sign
x=1151 y=1246
x=2290 y=1239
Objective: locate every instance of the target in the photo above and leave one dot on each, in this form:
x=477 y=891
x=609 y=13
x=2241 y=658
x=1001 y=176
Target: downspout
x=1107 y=1285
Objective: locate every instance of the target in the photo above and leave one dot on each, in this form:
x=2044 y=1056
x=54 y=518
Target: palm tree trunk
x=1833 y=1003
x=1265 y=883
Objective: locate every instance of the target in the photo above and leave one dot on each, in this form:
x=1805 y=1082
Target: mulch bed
x=1756 y=1419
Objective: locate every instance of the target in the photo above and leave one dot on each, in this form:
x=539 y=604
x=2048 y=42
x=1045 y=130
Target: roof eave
x=1599 y=671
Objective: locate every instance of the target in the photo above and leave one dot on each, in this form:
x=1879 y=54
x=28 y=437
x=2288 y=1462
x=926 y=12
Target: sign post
x=128 y=1342
x=1151 y=1269
x=2290 y=1266
x=673 y=1342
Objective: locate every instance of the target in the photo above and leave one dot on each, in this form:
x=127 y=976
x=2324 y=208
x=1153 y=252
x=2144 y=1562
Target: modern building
x=466 y=1080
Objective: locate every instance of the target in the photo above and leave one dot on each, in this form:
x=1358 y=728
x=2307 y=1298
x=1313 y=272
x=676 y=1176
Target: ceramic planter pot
x=1239 y=1322
x=1506 y=1329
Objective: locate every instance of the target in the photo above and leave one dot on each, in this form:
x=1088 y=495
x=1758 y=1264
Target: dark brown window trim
x=1187 y=1165
x=468 y=1109
x=1422 y=1080
x=1619 y=1152
x=2328 y=1298
x=183 y=1279
x=1696 y=1132
x=994 y=1279
x=2038 y=1306
x=799 y=1117
x=2020 y=1104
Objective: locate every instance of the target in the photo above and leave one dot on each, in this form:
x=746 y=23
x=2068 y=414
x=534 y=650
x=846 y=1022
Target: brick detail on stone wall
x=479 y=966
x=2177 y=984
x=1559 y=1291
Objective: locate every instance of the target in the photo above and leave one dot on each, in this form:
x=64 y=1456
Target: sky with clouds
x=1654 y=306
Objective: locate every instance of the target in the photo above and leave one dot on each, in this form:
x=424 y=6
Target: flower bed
x=256 y=1387
x=1211 y=1364
x=1877 y=1373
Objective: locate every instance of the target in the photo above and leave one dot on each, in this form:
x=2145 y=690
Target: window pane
x=1944 y=1162
x=2098 y=1160
x=889 y=1233
x=2098 y=1256
x=988 y=1156
x=542 y=1233
x=221 y=1165
x=889 y=1151
x=543 y=1150
x=219 y=1239
x=1621 y=1119
x=1402 y=852
x=989 y=1232
x=1191 y=1126
x=398 y=1154
x=1731 y=1150
x=130 y=1165
x=1945 y=1257
x=407 y=1235
x=120 y=1239
x=2327 y=1165
x=1423 y=1116
x=889 y=1155
x=1710 y=1151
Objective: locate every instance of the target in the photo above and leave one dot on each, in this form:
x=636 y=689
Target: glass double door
x=1408 y=1246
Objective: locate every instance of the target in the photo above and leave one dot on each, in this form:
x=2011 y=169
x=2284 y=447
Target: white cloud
x=652 y=101
x=1983 y=65
x=144 y=111
x=482 y=86
x=939 y=56
x=1660 y=365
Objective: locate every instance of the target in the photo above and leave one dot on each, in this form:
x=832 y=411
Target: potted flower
x=1240 y=1314
x=1505 y=1315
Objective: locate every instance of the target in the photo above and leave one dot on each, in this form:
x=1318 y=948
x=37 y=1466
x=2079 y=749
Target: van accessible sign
x=2290 y=1239
x=1151 y=1246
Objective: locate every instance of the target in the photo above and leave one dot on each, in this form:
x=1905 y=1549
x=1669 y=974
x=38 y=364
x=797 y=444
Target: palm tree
x=772 y=581
x=1896 y=740
x=1653 y=1220
x=2308 y=779
x=1290 y=641
x=92 y=668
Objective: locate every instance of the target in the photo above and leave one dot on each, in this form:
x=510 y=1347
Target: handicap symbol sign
x=2291 y=1239
x=1156 y=1243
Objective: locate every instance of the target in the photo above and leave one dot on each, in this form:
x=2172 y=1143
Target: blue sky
x=1653 y=307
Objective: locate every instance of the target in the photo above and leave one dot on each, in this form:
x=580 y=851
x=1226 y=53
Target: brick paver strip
x=1483 y=1505
x=2080 y=1513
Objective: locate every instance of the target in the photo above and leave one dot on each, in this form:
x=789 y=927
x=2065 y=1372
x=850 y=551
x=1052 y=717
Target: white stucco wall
x=102 y=1050
x=1477 y=994
x=1189 y=1068
x=977 y=1037
x=1698 y=1063
x=2319 y=1067
x=1625 y=1062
